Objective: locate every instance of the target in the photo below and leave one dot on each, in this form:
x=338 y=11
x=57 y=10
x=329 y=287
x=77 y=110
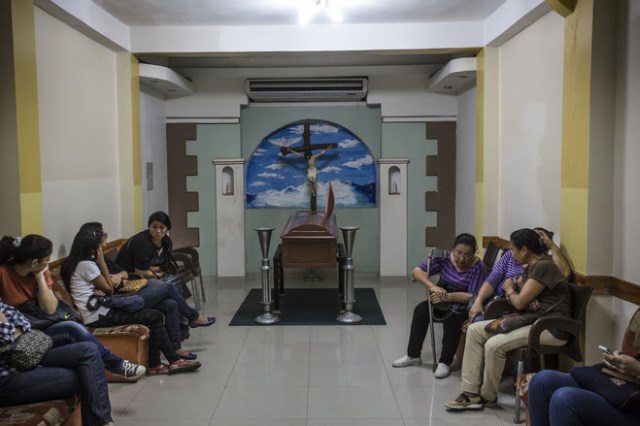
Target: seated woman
x=507 y=267
x=148 y=253
x=24 y=276
x=85 y=274
x=64 y=371
x=463 y=272
x=556 y=399
x=158 y=295
x=485 y=353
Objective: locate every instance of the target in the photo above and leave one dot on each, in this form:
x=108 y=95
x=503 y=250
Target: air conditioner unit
x=307 y=89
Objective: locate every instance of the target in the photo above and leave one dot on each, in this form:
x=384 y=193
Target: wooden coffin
x=309 y=240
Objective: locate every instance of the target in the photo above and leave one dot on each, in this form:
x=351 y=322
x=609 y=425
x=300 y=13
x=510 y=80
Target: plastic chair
x=579 y=297
x=490 y=255
x=183 y=262
x=196 y=270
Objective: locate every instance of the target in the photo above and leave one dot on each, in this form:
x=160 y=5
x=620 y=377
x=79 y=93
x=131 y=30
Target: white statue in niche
x=394 y=181
x=227 y=181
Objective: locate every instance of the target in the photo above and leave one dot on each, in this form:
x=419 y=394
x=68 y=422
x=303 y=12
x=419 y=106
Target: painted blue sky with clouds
x=274 y=180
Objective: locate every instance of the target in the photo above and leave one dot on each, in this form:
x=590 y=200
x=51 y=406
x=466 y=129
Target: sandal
x=210 y=321
x=183 y=365
x=160 y=369
x=187 y=355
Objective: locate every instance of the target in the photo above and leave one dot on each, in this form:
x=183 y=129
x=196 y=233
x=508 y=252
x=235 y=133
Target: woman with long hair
x=85 y=274
x=485 y=353
x=158 y=295
x=25 y=276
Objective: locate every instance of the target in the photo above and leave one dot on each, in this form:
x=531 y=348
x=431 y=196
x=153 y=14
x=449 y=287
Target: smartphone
x=605 y=349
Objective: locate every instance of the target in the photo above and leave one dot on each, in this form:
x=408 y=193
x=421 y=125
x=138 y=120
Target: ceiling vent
x=307 y=89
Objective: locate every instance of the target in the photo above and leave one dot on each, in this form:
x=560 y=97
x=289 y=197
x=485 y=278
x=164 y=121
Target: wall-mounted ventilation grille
x=307 y=90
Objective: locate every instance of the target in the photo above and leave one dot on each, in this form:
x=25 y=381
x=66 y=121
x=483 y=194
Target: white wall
x=466 y=162
x=530 y=126
x=627 y=152
x=153 y=147
x=77 y=94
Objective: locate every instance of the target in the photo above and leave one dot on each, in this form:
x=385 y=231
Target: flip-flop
x=161 y=369
x=210 y=321
x=188 y=355
x=183 y=365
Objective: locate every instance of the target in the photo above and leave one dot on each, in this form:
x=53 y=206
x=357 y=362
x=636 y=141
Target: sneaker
x=129 y=371
x=465 y=402
x=489 y=403
x=442 y=371
x=406 y=361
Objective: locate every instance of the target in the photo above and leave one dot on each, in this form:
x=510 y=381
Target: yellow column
x=139 y=221
x=480 y=78
x=27 y=129
x=575 y=133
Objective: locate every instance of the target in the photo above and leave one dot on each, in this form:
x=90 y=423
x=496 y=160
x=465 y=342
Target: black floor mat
x=313 y=306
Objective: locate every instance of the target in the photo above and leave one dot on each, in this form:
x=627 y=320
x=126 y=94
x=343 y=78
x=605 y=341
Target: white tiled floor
x=302 y=375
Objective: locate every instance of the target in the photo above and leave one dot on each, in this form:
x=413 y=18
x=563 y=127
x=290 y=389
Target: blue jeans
x=167 y=299
x=65 y=370
x=556 y=399
x=71 y=332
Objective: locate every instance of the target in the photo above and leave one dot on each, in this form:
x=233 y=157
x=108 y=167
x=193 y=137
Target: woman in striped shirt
x=462 y=272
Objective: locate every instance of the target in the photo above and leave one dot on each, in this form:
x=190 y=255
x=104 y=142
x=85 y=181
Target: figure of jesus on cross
x=306 y=151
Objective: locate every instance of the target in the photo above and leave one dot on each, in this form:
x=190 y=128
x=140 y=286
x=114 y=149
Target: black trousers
x=452 y=328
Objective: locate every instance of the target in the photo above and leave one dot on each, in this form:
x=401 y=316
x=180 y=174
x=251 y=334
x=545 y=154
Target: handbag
x=622 y=394
x=26 y=352
x=178 y=281
x=442 y=311
x=39 y=320
x=132 y=284
x=510 y=322
x=122 y=302
x=513 y=321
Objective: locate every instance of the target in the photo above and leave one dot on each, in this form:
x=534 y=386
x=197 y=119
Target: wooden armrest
x=129 y=329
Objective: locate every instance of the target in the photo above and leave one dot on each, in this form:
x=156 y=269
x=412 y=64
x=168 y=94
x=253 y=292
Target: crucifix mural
x=298 y=161
x=306 y=151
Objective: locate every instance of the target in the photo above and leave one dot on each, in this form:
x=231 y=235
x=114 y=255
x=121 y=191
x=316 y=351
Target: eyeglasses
x=461 y=255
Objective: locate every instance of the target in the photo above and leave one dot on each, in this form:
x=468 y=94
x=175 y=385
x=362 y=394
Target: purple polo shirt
x=468 y=281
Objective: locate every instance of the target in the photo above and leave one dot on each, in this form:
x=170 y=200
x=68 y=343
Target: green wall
x=213 y=141
x=386 y=140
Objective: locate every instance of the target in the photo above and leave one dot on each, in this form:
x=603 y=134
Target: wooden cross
x=306 y=151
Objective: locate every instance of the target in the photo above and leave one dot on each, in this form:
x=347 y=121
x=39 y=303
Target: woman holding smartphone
x=556 y=398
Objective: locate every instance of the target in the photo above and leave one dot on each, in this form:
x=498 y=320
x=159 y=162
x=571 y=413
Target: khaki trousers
x=485 y=355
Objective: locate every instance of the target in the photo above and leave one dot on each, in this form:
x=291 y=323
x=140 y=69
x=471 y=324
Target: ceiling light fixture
x=309 y=9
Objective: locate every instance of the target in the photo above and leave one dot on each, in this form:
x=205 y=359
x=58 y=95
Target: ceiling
x=163 y=13
x=285 y=12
